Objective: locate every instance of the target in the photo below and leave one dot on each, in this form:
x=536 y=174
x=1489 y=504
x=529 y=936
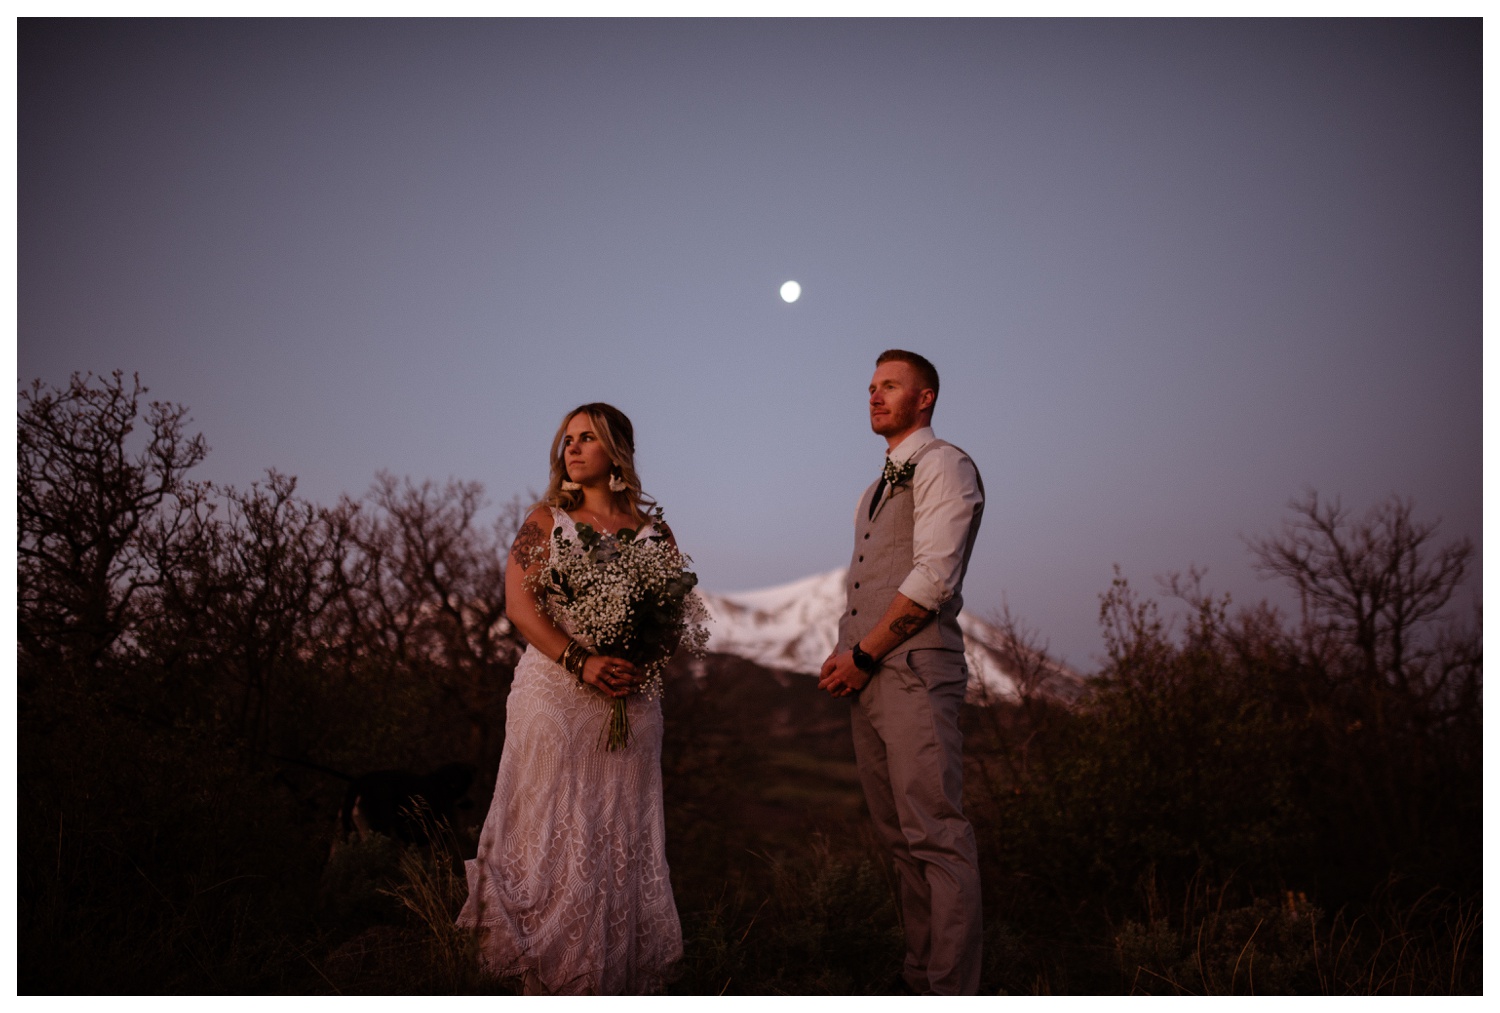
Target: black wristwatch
x=863 y=661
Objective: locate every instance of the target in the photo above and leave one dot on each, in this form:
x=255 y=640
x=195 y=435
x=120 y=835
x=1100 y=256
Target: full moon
x=790 y=291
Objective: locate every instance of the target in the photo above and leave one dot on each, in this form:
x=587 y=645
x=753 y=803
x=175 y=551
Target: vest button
x=854 y=612
x=867 y=535
x=861 y=559
x=856 y=585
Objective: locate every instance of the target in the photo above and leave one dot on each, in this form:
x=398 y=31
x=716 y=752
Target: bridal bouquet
x=624 y=595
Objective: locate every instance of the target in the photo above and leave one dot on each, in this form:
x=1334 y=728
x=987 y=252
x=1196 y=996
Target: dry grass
x=1426 y=947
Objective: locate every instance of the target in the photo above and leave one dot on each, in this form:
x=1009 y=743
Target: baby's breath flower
x=629 y=597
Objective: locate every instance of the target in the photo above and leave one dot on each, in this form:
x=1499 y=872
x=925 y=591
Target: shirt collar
x=908 y=447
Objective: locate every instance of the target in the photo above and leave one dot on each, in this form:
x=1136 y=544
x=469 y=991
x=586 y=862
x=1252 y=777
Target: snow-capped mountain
x=793 y=628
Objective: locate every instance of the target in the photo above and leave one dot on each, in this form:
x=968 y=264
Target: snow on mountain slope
x=793 y=628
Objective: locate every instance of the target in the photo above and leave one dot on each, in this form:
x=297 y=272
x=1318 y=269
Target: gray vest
x=883 y=558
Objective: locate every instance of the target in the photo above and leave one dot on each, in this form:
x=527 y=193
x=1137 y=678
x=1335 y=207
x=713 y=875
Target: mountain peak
x=793 y=627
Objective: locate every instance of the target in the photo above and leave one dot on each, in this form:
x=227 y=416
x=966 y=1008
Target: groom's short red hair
x=926 y=371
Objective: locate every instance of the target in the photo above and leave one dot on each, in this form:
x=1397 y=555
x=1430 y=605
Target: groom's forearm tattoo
x=905 y=626
x=530 y=543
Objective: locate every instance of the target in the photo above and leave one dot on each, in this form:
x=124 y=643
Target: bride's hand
x=613 y=677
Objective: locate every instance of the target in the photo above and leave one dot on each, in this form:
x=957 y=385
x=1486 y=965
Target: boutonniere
x=897 y=475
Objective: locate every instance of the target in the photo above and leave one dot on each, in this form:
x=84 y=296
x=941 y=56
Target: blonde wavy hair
x=617 y=435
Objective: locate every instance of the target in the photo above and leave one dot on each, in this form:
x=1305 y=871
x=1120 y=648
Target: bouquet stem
x=617 y=726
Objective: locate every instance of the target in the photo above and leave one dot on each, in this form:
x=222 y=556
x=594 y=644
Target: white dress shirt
x=945 y=491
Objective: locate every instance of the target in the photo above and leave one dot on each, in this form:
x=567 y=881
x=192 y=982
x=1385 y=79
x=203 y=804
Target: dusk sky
x=1172 y=273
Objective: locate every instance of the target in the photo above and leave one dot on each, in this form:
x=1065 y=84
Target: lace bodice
x=570 y=527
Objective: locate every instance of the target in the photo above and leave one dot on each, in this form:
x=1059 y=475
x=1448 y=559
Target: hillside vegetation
x=1240 y=802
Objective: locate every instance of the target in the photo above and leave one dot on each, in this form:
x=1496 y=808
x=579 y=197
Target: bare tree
x=276 y=574
x=428 y=590
x=84 y=500
x=1391 y=674
x=1018 y=728
x=1380 y=585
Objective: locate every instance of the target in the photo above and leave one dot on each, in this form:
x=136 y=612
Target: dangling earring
x=567 y=486
x=616 y=483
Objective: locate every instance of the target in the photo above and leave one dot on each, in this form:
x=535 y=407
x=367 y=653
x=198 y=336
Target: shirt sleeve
x=945 y=494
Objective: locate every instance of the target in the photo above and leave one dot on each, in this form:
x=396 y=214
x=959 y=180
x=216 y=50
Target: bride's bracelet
x=573 y=658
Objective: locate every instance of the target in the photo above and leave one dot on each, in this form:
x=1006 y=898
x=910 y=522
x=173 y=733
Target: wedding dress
x=570 y=888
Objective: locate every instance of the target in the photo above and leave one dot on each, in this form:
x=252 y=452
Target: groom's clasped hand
x=839 y=675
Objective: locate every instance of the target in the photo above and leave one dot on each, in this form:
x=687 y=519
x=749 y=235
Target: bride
x=570 y=888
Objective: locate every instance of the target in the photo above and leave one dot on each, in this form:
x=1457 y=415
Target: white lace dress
x=570 y=888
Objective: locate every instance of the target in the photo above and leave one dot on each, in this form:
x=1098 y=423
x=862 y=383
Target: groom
x=901 y=656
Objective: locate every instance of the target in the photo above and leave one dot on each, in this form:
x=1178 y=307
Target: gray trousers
x=910 y=753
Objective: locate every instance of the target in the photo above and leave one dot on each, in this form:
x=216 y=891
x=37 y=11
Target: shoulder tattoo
x=530 y=544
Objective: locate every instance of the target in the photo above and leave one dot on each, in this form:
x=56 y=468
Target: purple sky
x=1172 y=273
